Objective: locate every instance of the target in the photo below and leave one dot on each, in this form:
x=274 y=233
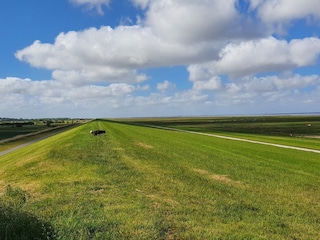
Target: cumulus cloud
x=270 y=94
x=279 y=83
x=172 y=33
x=166 y=85
x=92 y=4
x=25 y=95
x=279 y=13
x=105 y=54
x=190 y=21
x=98 y=74
x=213 y=83
x=277 y=93
x=285 y=10
x=259 y=56
x=54 y=89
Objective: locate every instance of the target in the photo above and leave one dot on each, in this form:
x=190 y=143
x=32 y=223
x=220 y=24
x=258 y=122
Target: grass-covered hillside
x=139 y=182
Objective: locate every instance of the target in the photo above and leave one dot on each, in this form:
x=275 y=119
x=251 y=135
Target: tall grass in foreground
x=143 y=183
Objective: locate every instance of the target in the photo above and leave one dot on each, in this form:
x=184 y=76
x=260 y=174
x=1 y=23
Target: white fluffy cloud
x=277 y=11
x=106 y=54
x=192 y=21
x=24 y=95
x=213 y=83
x=270 y=94
x=172 y=33
x=258 y=56
x=166 y=85
x=279 y=83
x=203 y=79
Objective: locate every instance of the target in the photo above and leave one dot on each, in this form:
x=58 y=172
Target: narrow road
x=18 y=147
x=31 y=142
x=237 y=139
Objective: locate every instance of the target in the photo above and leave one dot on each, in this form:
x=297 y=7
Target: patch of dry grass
x=220 y=178
x=144 y=145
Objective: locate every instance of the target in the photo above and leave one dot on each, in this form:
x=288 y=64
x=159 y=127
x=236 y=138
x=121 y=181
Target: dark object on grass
x=97 y=132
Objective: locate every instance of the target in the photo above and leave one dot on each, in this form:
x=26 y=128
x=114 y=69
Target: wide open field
x=138 y=182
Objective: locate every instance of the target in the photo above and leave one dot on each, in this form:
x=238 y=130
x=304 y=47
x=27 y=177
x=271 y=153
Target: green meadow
x=139 y=182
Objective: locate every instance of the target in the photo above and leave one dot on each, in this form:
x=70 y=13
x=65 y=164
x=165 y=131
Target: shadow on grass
x=18 y=224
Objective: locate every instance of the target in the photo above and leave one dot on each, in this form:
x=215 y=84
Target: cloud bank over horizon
x=239 y=60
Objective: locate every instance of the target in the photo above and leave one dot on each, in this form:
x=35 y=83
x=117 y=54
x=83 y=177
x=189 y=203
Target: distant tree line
x=49 y=122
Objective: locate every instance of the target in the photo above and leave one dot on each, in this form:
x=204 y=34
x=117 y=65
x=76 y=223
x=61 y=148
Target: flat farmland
x=12 y=131
x=300 y=131
x=139 y=182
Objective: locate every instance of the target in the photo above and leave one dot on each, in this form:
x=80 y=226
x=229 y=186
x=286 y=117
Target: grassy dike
x=143 y=183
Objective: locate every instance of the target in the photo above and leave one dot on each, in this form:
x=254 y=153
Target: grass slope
x=144 y=183
x=29 y=137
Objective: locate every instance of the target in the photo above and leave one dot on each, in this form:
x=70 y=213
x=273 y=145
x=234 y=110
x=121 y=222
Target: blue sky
x=138 y=58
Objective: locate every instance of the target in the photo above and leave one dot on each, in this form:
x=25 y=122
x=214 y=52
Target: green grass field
x=139 y=182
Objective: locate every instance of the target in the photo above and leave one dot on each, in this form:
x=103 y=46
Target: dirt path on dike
x=237 y=139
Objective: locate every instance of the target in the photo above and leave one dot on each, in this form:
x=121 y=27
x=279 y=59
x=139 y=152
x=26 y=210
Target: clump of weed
x=15 y=196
